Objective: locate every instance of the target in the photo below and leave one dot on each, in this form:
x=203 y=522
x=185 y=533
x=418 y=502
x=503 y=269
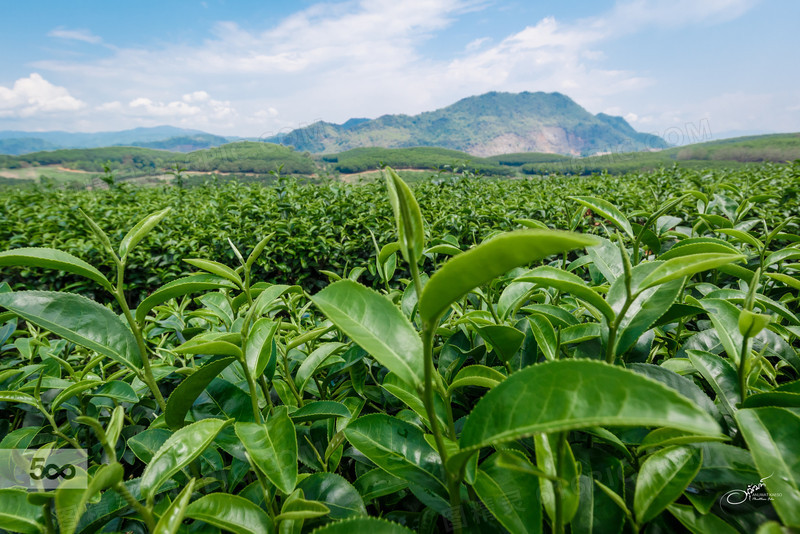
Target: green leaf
x=374 y=323
x=117 y=390
x=505 y=340
x=512 y=496
x=377 y=483
x=662 y=478
x=77 y=319
x=476 y=375
x=607 y=210
x=145 y=444
x=171 y=521
x=363 y=525
x=398 y=448
x=214 y=267
x=335 y=492
x=720 y=375
x=273 y=448
x=546 y=452
x=571 y=394
x=183 y=396
x=700 y=524
x=314 y=411
x=750 y=323
x=568 y=283
x=742 y=236
x=218 y=347
x=315 y=361
x=410 y=231
x=545 y=335
x=178 y=451
x=17 y=514
x=257 y=250
x=490 y=259
x=138 y=232
x=687 y=266
x=413 y=399
x=18 y=396
x=70 y=503
x=772 y=434
x=50 y=258
x=296 y=509
x=178 y=288
x=231 y=513
x=725 y=318
x=71 y=391
x=258 y=352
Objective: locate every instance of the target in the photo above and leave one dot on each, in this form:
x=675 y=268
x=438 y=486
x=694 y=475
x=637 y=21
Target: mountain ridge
x=484 y=125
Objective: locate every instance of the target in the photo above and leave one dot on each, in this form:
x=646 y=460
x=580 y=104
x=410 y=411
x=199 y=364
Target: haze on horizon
x=261 y=68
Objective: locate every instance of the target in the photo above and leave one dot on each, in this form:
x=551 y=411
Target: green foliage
x=627 y=362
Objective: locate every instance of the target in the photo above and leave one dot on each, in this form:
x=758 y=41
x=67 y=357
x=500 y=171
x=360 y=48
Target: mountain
x=486 y=125
x=164 y=137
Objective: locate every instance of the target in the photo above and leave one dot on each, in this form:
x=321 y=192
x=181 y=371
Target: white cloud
x=76 y=35
x=366 y=58
x=34 y=95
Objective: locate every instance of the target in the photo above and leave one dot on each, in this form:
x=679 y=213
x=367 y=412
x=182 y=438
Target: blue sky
x=680 y=68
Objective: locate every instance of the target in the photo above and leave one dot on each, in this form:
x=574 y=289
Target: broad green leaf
x=117 y=390
x=568 y=283
x=178 y=288
x=744 y=237
x=598 y=512
x=662 y=437
x=231 y=513
x=259 y=346
x=546 y=451
x=687 y=266
x=790 y=281
x=178 y=451
x=607 y=210
x=476 y=375
x=545 y=335
x=314 y=411
x=145 y=444
x=218 y=347
x=691 y=247
x=50 y=258
x=571 y=394
x=413 y=399
x=71 y=391
x=315 y=361
x=443 y=248
x=505 y=340
x=18 y=396
x=512 y=496
x=387 y=250
x=171 y=521
x=71 y=502
x=219 y=269
x=335 y=492
x=183 y=396
x=377 y=483
x=17 y=514
x=725 y=318
x=751 y=323
x=374 y=323
x=272 y=448
x=681 y=384
x=410 y=232
x=662 y=478
x=77 y=319
x=490 y=259
x=398 y=448
x=139 y=231
x=700 y=524
x=606 y=257
x=772 y=434
x=363 y=525
x=297 y=509
x=720 y=375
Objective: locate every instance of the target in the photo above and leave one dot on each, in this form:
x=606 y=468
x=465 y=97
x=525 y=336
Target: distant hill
x=164 y=137
x=486 y=125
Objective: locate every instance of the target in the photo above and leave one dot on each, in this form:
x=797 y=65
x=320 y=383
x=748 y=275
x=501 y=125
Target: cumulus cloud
x=366 y=58
x=34 y=95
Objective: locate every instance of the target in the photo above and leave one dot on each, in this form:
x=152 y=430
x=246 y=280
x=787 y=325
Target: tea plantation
x=600 y=354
